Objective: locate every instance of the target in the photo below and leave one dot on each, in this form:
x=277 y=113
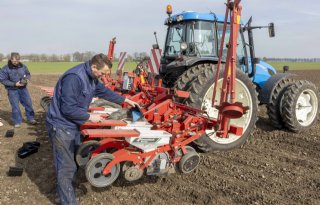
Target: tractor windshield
x=199 y=36
x=175 y=37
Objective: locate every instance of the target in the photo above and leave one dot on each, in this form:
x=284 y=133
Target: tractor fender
x=189 y=62
x=268 y=88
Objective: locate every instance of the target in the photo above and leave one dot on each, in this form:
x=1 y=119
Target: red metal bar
x=108 y=143
x=220 y=56
x=105 y=123
x=105 y=133
x=111 y=48
x=96 y=108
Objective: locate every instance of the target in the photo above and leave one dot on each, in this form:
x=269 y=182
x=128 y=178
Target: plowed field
x=274 y=167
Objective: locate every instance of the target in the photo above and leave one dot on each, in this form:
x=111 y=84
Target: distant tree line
x=292 y=59
x=73 y=57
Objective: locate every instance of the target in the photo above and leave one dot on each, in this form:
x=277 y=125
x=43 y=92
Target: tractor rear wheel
x=184 y=80
x=300 y=107
x=274 y=106
x=201 y=97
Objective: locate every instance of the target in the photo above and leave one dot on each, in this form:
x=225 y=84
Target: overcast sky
x=66 y=26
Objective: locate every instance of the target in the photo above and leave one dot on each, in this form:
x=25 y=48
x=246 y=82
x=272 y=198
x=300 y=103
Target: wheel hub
x=306 y=107
x=243 y=96
x=133 y=174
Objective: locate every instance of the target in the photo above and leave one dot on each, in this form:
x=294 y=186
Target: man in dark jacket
x=15 y=77
x=68 y=110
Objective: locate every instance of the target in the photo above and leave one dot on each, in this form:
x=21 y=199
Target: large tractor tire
x=275 y=102
x=300 y=107
x=184 y=81
x=201 y=97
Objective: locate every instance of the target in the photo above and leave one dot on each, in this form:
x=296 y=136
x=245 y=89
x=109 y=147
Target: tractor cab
x=194 y=38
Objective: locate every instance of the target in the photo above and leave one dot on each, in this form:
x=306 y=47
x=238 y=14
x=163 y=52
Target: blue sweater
x=10 y=75
x=73 y=94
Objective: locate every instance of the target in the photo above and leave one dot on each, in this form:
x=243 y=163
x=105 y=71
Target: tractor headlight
x=183 y=46
x=179 y=18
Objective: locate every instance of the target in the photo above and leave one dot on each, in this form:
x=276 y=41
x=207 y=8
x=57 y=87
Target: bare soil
x=274 y=167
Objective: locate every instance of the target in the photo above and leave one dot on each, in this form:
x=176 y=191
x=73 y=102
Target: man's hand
x=94 y=117
x=132 y=103
x=18 y=84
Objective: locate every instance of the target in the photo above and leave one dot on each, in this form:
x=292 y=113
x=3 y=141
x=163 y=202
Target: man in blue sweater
x=68 y=110
x=15 y=76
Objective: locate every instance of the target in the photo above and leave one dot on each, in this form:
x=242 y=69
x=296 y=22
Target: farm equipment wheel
x=189 y=162
x=188 y=148
x=184 y=80
x=84 y=152
x=300 y=108
x=201 y=97
x=131 y=172
x=276 y=100
x=95 y=167
x=45 y=102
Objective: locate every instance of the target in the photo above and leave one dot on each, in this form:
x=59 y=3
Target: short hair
x=15 y=55
x=101 y=60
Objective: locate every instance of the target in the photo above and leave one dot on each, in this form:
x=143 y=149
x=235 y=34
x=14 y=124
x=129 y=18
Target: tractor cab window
x=240 y=51
x=201 y=38
x=175 y=37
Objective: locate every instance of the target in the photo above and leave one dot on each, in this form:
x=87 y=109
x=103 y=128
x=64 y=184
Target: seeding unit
x=160 y=144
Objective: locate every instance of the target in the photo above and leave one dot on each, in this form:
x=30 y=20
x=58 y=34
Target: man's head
x=100 y=65
x=15 y=58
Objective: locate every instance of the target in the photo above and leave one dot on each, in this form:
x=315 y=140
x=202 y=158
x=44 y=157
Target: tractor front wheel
x=201 y=91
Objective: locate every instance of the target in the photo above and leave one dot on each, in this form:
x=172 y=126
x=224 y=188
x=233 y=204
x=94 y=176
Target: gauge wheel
x=95 y=167
x=84 y=152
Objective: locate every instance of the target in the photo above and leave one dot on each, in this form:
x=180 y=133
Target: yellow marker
x=238 y=19
x=142 y=79
x=229 y=71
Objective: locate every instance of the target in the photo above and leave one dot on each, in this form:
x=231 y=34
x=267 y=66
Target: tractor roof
x=191 y=15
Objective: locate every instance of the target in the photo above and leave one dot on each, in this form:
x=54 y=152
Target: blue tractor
x=189 y=60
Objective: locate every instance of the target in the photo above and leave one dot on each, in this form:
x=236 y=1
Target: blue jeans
x=64 y=144
x=22 y=96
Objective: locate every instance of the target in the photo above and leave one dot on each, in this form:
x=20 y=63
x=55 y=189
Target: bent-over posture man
x=68 y=110
x=15 y=76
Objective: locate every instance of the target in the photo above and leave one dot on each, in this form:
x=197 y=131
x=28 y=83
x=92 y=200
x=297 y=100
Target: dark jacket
x=10 y=75
x=73 y=94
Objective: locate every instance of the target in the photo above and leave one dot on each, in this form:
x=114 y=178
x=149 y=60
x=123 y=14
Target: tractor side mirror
x=271 y=30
